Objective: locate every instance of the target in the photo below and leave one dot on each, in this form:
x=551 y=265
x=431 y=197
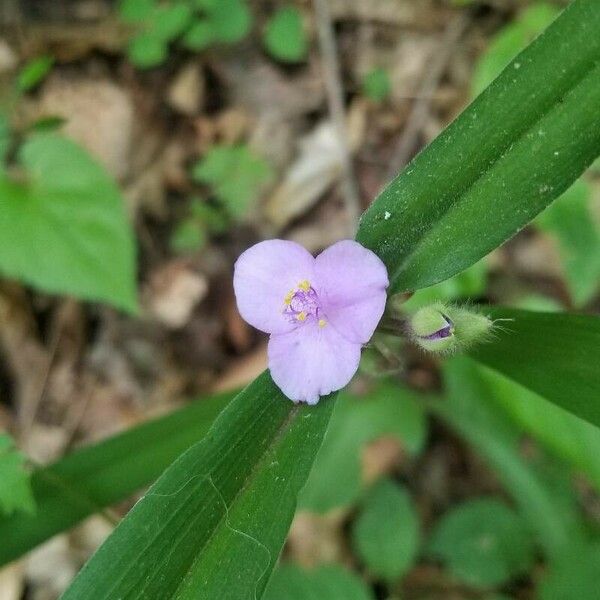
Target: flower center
x=302 y=304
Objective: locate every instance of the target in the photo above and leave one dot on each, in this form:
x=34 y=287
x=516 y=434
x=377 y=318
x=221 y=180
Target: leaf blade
x=97 y=476
x=492 y=160
x=275 y=443
x=386 y=534
x=64 y=229
x=552 y=354
x=496 y=439
x=15 y=488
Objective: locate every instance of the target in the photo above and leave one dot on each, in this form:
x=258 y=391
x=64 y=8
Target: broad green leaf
x=555 y=355
x=386 y=534
x=327 y=582
x=34 y=72
x=236 y=175
x=519 y=145
x=214 y=523
x=95 y=477
x=211 y=217
x=230 y=20
x=357 y=420
x=147 y=50
x=169 y=21
x=510 y=41
x=63 y=228
x=188 y=236
x=468 y=411
x=199 y=36
x=569 y=219
x=483 y=542
x=134 y=11
x=574 y=576
x=15 y=487
x=284 y=36
x=567 y=436
x=376 y=84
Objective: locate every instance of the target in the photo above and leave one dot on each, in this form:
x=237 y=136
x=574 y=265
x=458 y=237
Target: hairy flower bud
x=445 y=328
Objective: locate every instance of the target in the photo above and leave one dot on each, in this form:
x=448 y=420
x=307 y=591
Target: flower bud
x=444 y=329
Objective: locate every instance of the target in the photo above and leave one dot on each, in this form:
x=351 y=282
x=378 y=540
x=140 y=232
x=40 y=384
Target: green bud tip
x=444 y=329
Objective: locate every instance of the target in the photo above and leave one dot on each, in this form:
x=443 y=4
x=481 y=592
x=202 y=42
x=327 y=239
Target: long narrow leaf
x=213 y=525
x=468 y=410
x=97 y=476
x=521 y=143
x=556 y=355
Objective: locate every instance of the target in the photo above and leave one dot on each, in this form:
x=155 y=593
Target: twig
x=335 y=99
x=420 y=111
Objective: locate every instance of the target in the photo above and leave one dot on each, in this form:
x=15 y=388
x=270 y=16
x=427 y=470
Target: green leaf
x=230 y=20
x=210 y=216
x=98 y=476
x=199 y=36
x=15 y=488
x=213 y=525
x=34 y=72
x=376 y=85
x=569 y=220
x=515 y=149
x=189 y=236
x=574 y=576
x=567 y=436
x=147 y=50
x=134 y=11
x=552 y=354
x=386 y=533
x=537 y=302
x=483 y=542
x=284 y=36
x=468 y=411
x=48 y=124
x=468 y=284
x=236 y=175
x=357 y=420
x=510 y=41
x=169 y=21
x=327 y=582
x=64 y=229
x=5 y=139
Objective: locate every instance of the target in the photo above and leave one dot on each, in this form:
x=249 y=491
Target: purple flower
x=319 y=311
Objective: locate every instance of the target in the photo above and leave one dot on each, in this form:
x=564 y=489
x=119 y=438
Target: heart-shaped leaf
x=63 y=227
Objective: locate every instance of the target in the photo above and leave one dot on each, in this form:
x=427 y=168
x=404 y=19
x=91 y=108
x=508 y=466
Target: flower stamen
x=302 y=303
x=288 y=298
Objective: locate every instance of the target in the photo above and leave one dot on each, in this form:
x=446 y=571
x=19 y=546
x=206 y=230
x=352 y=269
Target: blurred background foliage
x=143 y=145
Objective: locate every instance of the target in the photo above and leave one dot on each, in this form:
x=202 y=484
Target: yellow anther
x=322 y=323
x=301 y=316
x=304 y=285
x=288 y=297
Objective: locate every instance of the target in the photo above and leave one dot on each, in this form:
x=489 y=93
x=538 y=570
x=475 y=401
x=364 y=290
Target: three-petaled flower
x=319 y=311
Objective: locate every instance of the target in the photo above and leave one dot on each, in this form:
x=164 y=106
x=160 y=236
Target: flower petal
x=312 y=361
x=351 y=282
x=263 y=275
